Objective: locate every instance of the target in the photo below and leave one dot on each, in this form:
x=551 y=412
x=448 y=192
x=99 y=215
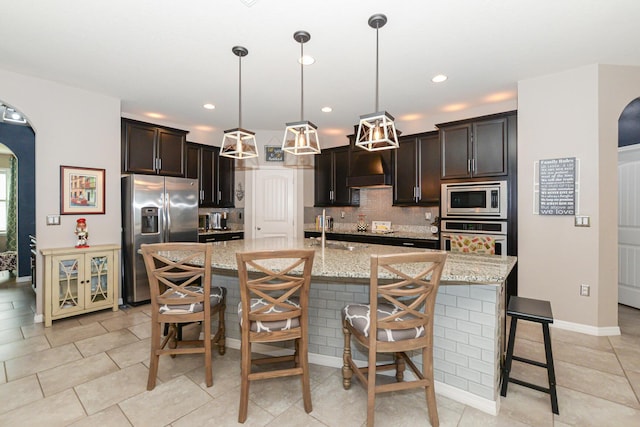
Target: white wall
x=573 y=114
x=76 y=128
x=618 y=86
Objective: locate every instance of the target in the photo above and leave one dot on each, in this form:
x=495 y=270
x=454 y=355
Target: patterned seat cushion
x=358 y=316
x=262 y=326
x=8 y=260
x=217 y=296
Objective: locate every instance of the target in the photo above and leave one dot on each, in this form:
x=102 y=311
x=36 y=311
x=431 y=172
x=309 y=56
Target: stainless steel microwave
x=474 y=199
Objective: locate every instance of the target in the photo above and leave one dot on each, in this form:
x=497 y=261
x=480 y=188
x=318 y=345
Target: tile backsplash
x=376 y=204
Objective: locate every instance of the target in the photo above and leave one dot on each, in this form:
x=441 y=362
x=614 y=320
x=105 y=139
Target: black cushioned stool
x=537 y=311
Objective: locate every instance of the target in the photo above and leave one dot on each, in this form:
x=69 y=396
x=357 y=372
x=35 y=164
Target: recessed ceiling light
x=439 y=78
x=209 y=106
x=327 y=109
x=306 y=60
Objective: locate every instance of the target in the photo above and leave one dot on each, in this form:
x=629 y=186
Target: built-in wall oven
x=474 y=211
x=453 y=230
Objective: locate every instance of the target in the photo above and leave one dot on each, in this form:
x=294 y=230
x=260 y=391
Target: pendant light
x=239 y=143
x=377 y=131
x=301 y=138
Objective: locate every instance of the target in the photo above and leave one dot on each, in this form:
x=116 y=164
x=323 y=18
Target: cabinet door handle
x=473 y=165
x=408 y=244
x=219 y=195
x=468 y=165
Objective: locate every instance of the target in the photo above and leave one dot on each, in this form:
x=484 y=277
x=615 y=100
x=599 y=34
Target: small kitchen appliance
x=218 y=221
x=475 y=199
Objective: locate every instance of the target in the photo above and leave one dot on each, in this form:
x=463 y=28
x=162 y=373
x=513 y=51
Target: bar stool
x=537 y=311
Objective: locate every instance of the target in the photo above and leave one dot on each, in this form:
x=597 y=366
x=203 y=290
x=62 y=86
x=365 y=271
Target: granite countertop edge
x=353 y=265
x=394 y=234
x=227 y=231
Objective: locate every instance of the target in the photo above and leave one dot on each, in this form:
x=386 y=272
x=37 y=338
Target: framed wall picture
x=273 y=153
x=82 y=191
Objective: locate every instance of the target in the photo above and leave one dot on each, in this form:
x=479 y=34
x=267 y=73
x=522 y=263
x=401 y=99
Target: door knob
x=258 y=228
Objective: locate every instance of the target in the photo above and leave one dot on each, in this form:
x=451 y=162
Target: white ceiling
x=170 y=57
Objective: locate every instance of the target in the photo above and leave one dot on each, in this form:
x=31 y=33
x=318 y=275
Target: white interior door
x=629 y=226
x=273 y=208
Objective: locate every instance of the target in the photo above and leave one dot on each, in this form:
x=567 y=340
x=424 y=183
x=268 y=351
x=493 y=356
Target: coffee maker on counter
x=218 y=220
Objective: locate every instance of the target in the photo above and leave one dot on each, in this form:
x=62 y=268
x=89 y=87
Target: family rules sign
x=557 y=186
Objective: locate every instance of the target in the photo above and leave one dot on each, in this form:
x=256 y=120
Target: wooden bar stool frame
x=414 y=296
x=275 y=288
x=168 y=277
x=537 y=311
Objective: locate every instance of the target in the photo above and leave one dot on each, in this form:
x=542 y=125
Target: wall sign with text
x=556 y=185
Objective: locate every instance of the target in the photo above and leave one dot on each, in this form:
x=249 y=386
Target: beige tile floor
x=92 y=370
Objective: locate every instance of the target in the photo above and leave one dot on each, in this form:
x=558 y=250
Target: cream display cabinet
x=80 y=280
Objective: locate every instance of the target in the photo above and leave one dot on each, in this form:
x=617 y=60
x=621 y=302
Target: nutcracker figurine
x=82 y=233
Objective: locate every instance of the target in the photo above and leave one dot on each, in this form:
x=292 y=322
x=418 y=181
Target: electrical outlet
x=584 y=290
x=342 y=214
x=427 y=216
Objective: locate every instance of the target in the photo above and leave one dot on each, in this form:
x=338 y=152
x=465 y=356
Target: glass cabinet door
x=98 y=279
x=67 y=284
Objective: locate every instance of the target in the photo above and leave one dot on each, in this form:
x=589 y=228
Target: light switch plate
x=53 y=219
x=582 y=221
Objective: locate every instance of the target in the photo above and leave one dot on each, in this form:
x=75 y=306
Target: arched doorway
x=20 y=140
x=629 y=205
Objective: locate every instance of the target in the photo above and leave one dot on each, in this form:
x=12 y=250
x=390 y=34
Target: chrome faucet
x=324 y=226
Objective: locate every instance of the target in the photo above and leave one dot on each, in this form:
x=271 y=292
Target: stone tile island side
x=469 y=317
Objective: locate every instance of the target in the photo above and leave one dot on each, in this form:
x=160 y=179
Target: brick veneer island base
x=469 y=318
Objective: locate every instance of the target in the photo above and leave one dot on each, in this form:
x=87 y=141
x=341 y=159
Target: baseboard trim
x=485 y=405
x=491 y=407
x=587 y=329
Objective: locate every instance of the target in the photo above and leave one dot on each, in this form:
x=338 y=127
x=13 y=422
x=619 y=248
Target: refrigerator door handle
x=167 y=213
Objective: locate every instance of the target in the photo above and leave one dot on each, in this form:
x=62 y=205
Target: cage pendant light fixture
x=239 y=143
x=301 y=138
x=377 y=131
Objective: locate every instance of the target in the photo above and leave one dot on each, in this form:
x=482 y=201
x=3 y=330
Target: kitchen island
x=469 y=316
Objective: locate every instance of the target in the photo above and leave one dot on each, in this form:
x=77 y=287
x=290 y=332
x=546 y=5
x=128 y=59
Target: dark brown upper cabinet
x=474 y=149
x=215 y=174
x=416 y=170
x=331 y=169
x=152 y=149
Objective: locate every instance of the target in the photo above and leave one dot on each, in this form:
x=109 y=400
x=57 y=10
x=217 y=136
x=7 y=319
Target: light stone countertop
x=399 y=234
x=212 y=231
x=353 y=264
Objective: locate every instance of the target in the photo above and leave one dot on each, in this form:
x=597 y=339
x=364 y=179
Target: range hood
x=369 y=169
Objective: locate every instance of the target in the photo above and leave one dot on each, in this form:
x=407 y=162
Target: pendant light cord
x=377 y=61
x=239 y=91
x=301 y=81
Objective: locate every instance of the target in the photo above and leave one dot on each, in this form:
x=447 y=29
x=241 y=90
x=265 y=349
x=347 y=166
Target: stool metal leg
x=550 y=370
x=508 y=360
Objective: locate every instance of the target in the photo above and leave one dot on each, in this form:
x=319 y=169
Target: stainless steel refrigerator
x=155 y=209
